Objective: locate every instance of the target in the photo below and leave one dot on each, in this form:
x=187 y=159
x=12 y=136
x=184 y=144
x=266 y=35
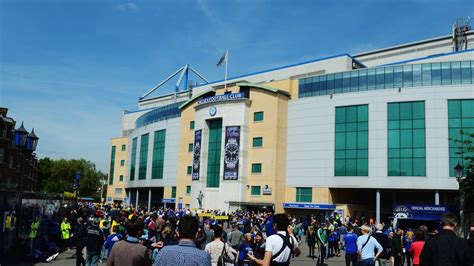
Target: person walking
x=350 y=243
x=130 y=252
x=111 y=240
x=384 y=241
x=279 y=247
x=94 y=241
x=445 y=248
x=80 y=241
x=311 y=240
x=218 y=248
x=366 y=245
x=236 y=237
x=186 y=252
x=322 y=239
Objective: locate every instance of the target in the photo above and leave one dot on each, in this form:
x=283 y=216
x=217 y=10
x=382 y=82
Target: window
x=112 y=166
x=191 y=125
x=214 y=153
x=173 y=192
x=187 y=206
x=121 y=178
x=188 y=190
x=143 y=156
x=122 y=162
x=257 y=142
x=190 y=147
x=2 y=155
x=124 y=147
x=406 y=139
x=255 y=191
x=352 y=141
x=158 y=154
x=460 y=118
x=304 y=194
x=134 y=159
x=118 y=191
x=189 y=170
x=257 y=116
x=256 y=168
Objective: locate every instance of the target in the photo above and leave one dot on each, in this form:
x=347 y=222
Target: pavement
x=66 y=259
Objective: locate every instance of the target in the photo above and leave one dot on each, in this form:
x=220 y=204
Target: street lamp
x=31 y=141
x=20 y=136
x=460 y=177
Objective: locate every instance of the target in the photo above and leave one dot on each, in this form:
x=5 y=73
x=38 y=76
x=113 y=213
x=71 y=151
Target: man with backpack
x=279 y=247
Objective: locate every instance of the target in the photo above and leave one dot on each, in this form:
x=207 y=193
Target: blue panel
x=292 y=205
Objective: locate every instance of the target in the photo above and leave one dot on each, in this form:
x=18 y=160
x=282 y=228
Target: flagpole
x=225 y=75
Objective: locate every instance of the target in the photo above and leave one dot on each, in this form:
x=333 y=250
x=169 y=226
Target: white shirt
x=274 y=244
x=214 y=249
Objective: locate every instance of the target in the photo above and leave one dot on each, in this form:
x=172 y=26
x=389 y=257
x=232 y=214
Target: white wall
x=311 y=125
x=172 y=127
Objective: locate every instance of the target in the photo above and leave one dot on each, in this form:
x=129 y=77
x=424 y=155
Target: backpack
x=224 y=257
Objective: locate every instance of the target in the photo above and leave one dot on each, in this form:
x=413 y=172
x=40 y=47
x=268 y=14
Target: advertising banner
x=196 y=154
x=419 y=212
x=231 y=153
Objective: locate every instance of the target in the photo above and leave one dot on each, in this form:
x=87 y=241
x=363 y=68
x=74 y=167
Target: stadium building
x=356 y=134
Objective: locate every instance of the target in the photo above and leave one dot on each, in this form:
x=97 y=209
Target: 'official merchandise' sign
x=222 y=97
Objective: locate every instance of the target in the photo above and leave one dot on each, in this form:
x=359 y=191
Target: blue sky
x=69 y=68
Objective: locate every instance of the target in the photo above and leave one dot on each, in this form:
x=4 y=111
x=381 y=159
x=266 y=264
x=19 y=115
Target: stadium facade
x=356 y=134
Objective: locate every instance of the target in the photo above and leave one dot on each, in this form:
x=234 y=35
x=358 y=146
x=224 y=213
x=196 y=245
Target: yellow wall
x=118 y=170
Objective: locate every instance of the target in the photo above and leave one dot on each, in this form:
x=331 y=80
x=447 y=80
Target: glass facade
x=160 y=113
x=304 y=194
x=352 y=141
x=112 y=166
x=158 y=154
x=143 y=156
x=256 y=168
x=406 y=139
x=255 y=190
x=388 y=77
x=257 y=142
x=133 y=158
x=214 y=153
x=461 y=119
x=257 y=116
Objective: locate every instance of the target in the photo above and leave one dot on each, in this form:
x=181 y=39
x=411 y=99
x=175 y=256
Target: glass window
x=133 y=158
x=121 y=178
x=460 y=119
x=124 y=147
x=398 y=76
x=426 y=74
x=354 y=81
x=407 y=76
x=256 y=168
x=389 y=77
x=214 y=153
x=406 y=139
x=158 y=162
x=417 y=75
x=346 y=81
x=314 y=87
x=190 y=147
x=304 y=194
x=188 y=190
x=380 y=79
x=435 y=74
x=143 y=156
x=118 y=191
x=351 y=141
x=257 y=142
x=338 y=83
x=466 y=72
x=456 y=72
x=363 y=80
x=173 y=192
x=112 y=166
x=446 y=73
x=323 y=85
x=122 y=162
x=258 y=116
x=189 y=170
x=191 y=125
x=255 y=191
x=330 y=83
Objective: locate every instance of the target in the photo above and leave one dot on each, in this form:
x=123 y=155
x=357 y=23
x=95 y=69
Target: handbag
x=224 y=257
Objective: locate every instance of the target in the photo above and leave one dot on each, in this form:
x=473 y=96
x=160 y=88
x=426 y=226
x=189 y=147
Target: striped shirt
x=185 y=253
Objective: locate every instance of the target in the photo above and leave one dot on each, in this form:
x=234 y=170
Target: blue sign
x=292 y=205
x=212 y=111
x=168 y=200
x=222 y=97
x=419 y=212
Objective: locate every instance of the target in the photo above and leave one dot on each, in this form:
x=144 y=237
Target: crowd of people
x=121 y=235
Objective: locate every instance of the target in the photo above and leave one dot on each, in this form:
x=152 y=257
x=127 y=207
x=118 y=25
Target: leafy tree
x=58 y=175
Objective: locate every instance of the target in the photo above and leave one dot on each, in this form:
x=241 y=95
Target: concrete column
x=437 y=197
x=149 y=199
x=136 y=200
x=377 y=206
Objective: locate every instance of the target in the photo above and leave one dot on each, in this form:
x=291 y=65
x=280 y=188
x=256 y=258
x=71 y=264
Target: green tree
x=55 y=175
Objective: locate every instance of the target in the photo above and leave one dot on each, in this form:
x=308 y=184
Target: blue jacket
x=350 y=240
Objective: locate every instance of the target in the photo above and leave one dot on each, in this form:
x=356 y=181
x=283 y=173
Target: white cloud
x=128 y=7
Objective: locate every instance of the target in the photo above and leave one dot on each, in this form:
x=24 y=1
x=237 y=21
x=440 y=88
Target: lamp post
x=460 y=177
